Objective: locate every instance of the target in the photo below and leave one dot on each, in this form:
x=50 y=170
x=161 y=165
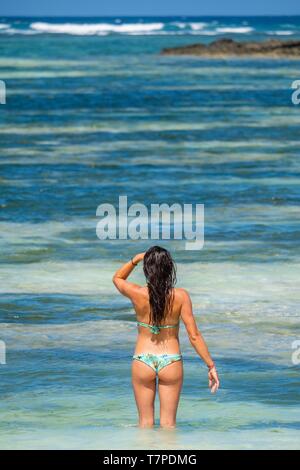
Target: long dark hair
x=160 y=272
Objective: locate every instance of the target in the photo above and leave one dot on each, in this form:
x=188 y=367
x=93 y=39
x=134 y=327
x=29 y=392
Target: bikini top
x=156 y=329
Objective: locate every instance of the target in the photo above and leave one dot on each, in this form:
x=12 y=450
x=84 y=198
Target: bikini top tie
x=155 y=329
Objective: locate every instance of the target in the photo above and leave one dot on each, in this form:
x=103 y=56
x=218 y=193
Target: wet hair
x=160 y=273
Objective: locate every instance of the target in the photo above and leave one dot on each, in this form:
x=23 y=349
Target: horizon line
x=155 y=16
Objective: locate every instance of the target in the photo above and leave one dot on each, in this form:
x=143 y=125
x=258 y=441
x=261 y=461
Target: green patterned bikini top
x=156 y=329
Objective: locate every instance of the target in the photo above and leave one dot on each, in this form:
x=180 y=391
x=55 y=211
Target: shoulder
x=129 y=289
x=136 y=288
x=137 y=292
x=182 y=294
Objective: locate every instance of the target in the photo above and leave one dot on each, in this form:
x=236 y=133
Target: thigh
x=169 y=387
x=144 y=387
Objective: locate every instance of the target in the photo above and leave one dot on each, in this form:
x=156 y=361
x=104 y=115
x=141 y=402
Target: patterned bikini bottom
x=157 y=361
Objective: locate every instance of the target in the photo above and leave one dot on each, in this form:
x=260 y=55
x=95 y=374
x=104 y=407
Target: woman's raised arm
x=129 y=289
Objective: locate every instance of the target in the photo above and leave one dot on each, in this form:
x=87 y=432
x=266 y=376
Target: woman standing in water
x=159 y=307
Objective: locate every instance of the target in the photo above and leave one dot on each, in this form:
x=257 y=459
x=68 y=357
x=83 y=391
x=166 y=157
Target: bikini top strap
x=154 y=328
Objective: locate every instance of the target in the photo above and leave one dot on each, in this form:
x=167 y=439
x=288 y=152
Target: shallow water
x=90 y=118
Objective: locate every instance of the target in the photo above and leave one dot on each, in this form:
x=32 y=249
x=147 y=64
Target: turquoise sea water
x=93 y=112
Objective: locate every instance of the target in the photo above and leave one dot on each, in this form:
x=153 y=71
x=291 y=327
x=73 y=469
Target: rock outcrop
x=229 y=48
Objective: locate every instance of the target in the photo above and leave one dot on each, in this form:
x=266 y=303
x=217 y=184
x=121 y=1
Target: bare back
x=167 y=341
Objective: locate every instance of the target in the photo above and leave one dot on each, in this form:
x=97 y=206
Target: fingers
x=213 y=381
x=216 y=385
x=210 y=381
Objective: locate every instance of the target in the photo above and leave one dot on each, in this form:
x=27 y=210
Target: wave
x=280 y=33
x=86 y=29
x=239 y=30
x=197 y=26
x=159 y=28
x=24 y=32
x=179 y=24
x=206 y=33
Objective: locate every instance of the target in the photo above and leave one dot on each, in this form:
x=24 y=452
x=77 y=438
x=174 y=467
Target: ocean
x=93 y=111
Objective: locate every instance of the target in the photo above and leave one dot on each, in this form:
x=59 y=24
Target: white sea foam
x=200 y=28
x=69 y=335
x=139 y=28
x=25 y=32
x=280 y=33
x=205 y=33
x=179 y=24
x=197 y=26
x=86 y=29
x=239 y=30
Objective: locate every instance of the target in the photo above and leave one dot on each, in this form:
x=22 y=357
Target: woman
x=158 y=307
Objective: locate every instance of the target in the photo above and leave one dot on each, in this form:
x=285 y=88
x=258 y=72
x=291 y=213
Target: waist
x=145 y=343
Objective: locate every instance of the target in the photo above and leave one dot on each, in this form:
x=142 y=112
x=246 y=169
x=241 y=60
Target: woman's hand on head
x=139 y=257
x=213 y=380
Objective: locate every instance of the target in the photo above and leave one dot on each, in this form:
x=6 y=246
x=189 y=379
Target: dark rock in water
x=230 y=48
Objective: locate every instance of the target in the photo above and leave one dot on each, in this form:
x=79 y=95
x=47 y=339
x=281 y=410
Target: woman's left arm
x=120 y=277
